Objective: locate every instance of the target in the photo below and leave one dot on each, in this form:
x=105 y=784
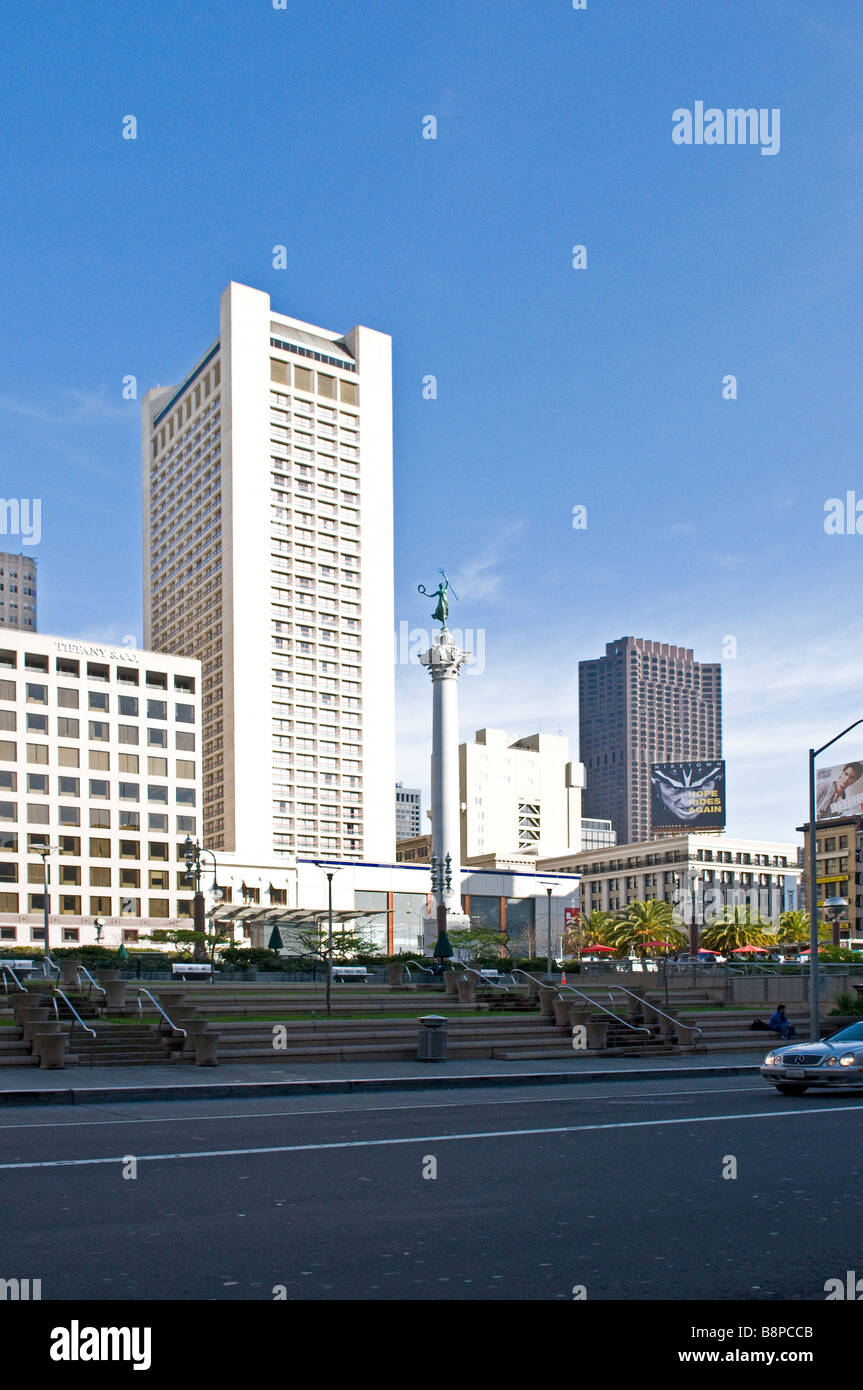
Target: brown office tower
x=642 y=703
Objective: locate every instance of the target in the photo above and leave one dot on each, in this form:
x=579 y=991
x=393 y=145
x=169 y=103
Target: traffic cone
x=563 y=978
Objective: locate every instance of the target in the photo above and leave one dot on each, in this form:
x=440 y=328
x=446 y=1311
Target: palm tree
x=641 y=923
x=794 y=928
x=592 y=930
x=735 y=928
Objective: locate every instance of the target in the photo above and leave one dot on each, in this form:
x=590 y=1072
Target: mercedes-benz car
x=831 y=1064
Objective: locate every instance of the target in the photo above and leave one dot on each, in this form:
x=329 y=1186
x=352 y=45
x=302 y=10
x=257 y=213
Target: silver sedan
x=832 y=1064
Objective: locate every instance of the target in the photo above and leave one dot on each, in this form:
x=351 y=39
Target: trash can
x=431 y=1039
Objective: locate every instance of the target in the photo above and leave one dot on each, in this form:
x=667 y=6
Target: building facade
x=268 y=556
x=838 y=870
x=519 y=796
x=17 y=592
x=724 y=872
x=100 y=763
x=643 y=702
x=408 y=812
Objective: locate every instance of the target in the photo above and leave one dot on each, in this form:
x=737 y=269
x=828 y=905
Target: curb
x=214 y=1090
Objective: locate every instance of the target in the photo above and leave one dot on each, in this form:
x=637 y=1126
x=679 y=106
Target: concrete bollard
x=466 y=989
x=115 y=993
x=206 y=1047
x=52 y=1051
x=597 y=1034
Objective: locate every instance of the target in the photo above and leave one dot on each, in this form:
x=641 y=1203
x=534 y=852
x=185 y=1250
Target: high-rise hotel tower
x=268 y=555
x=643 y=702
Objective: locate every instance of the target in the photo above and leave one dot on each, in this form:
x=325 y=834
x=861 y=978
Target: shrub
x=847 y=1003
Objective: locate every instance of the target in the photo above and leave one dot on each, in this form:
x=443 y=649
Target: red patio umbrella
x=748 y=950
x=609 y=949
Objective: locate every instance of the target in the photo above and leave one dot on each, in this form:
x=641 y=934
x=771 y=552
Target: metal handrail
x=7 y=970
x=494 y=983
x=176 y=1027
x=71 y=1007
x=46 y=961
x=690 y=1027
x=635 y=1027
x=82 y=970
x=409 y=963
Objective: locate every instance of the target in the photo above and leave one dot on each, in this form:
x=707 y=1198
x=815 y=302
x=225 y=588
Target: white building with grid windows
x=99 y=760
x=268 y=555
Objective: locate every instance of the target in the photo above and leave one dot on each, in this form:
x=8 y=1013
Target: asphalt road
x=617 y=1188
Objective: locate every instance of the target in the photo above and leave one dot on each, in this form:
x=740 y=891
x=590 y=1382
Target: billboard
x=839 y=791
x=687 y=796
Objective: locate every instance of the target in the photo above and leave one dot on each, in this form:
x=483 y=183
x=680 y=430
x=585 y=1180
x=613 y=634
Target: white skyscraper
x=268 y=555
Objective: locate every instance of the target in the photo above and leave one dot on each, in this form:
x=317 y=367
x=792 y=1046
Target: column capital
x=444 y=659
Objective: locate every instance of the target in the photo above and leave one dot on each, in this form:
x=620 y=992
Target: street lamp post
x=44 y=851
x=192 y=852
x=693 y=925
x=549 y=890
x=814 y=1019
x=329 y=941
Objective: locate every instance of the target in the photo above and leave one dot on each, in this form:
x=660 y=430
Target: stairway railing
x=7 y=972
x=176 y=1027
x=691 y=1028
x=409 y=963
x=495 y=984
x=594 y=1003
x=82 y=970
x=76 y=1017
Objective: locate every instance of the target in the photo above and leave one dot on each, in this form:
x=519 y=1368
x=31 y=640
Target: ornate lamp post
x=44 y=851
x=192 y=852
x=441 y=875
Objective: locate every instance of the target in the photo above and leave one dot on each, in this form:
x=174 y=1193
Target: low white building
x=520 y=796
x=509 y=898
x=100 y=763
x=725 y=871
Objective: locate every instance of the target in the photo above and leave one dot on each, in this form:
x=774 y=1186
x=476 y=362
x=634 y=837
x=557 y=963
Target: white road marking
x=431 y=1138
x=74 y=1123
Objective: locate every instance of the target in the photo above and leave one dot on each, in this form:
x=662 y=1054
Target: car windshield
x=853 y=1033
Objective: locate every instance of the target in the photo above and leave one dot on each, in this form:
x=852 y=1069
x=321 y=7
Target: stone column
x=444 y=661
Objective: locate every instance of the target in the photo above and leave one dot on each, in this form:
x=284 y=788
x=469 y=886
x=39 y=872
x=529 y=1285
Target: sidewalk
x=184 y=1081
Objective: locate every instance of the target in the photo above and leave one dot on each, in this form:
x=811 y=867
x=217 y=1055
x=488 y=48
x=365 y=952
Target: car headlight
x=832 y=1062
x=770 y=1059
x=847 y=1059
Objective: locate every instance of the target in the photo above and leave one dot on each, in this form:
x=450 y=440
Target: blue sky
x=556 y=387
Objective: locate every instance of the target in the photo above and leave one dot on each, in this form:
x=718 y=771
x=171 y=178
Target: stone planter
x=466 y=989
x=206 y=1046
x=450 y=981
x=115 y=993
x=579 y=1015
x=52 y=1051
x=107 y=976
x=395 y=973
x=562 y=1011
x=26 y=1003
x=50 y=1028
x=597 y=1034
x=69 y=970
x=33 y=1020
x=547 y=996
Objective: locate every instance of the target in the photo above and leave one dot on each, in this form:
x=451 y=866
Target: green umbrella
x=275 y=942
x=122 y=953
x=443 y=949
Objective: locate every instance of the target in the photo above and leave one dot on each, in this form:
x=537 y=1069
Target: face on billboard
x=687 y=794
x=839 y=790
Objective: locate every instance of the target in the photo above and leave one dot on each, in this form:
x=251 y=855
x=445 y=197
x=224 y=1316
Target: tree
x=794 y=928
x=589 y=929
x=641 y=923
x=477 y=942
x=738 y=927
x=347 y=942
